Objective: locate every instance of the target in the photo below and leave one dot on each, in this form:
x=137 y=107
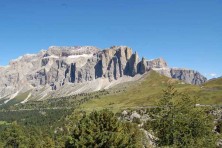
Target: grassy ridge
x=215 y=83
x=148 y=90
x=211 y=92
x=144 y=92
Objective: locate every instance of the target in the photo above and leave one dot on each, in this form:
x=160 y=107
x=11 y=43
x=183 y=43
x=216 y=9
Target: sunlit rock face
x=67 y=69
x=189 y=76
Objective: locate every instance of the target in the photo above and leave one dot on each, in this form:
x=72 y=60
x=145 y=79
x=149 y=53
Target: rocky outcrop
x=186 y=75
x=69 y=51
x=132 y=64
x=59 y=67
x=157 y=63
x=143 y=66
x=189 y=76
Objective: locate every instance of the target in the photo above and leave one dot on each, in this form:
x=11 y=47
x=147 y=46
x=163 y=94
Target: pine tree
x=103 y=129
x=178 y=122
x=13 y=136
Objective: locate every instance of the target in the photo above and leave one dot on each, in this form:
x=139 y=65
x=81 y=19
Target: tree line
x=175 y=122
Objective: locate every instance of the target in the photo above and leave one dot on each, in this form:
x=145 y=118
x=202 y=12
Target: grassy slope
x=211 y=92
x=17 y=99
x=138 y=94
x=214 y=83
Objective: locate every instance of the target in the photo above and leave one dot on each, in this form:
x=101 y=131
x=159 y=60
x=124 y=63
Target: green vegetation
x=67 y=102
x=17 y=100
x=4 y=123
x=95 y=119
x=177 y=122
x=137 y=94
x=13 y=136
x=146 y=92
x=103 y=129
x=17 y=136
x=34 y=117
x=215 y=83
x=211 y=92
x=36 y=127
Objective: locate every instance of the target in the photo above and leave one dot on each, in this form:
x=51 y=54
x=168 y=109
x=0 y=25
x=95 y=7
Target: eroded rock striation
x=81 y=68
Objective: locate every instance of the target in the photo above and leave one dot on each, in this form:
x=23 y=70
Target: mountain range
x=64 y=71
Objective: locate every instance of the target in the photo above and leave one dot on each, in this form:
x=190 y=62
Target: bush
x=103 y=129
x=13 y=136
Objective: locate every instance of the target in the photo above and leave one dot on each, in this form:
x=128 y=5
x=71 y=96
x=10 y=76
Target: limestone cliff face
x=189 y=76
x=57 y=67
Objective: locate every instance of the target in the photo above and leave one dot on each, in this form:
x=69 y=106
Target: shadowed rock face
x=59 y=66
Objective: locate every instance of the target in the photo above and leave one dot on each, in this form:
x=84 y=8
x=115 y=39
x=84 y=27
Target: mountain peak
x=65 y=51
x=76 y=69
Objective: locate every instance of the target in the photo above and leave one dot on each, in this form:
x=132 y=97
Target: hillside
x=214 y=83
x=148 y=90
x=211 y=92
x=144 y=92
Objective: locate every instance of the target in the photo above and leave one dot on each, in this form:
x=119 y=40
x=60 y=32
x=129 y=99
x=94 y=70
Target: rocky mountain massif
x=61 y=71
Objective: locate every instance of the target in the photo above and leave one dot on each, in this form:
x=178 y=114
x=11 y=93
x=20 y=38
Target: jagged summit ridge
x=64 y=51
x=70 y=70
x=60 y=51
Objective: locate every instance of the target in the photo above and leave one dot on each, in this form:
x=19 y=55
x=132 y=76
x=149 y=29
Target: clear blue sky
x=186 y=33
